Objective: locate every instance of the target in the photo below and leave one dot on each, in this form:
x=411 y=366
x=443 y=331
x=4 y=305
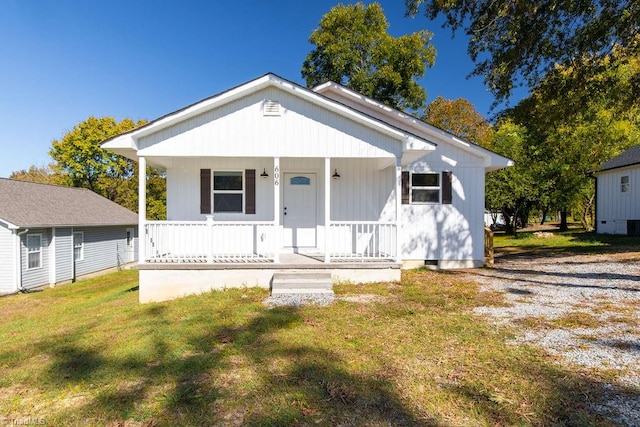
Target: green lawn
x=574 y=241
x=408 y=353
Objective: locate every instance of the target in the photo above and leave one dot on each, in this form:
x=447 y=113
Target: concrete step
x=301 y=282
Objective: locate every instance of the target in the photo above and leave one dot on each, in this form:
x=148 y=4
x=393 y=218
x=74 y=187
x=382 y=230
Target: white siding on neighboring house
x=35 y=277
x=64 y=255
x=615 y=207
x=239 y=128
x=7 y=261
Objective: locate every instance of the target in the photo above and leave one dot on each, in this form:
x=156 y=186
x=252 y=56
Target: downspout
x=19 y=266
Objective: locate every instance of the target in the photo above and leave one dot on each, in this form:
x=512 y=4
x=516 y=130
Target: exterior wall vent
x=271 y=108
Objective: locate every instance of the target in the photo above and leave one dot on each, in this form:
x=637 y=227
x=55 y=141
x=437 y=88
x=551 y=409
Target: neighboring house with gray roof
x=51 y=234
x=617 y=189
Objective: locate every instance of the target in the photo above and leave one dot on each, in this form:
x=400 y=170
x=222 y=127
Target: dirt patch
x=364 y=298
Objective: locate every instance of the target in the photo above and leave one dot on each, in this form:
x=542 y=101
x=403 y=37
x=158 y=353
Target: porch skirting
x=162 y=282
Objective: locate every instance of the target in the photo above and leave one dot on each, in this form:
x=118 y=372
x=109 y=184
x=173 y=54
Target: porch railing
x=199 y=241
x=362 y=240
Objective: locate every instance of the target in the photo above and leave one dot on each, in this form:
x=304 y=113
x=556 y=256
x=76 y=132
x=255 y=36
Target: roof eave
x=10 y=225
x=492 y=161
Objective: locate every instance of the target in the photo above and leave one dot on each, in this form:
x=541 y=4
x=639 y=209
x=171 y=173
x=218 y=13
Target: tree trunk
x=587 y=214
x=563 y=220
x=544 y=216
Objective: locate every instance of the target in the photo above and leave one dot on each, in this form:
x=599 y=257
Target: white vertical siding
x=615 y=208
x=7 y=261
x=36 y=277
x=239 y=128
x=365 y=190
x=183 y=188
x=452 y=232
x=64 y=255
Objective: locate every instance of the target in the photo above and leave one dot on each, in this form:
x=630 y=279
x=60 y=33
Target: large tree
x=460 y=118
x=511 y=191
x=573 y=134
x=82 y=162
x=516 y=41
x=40 y=174
x=79 y=156
x=353 y=48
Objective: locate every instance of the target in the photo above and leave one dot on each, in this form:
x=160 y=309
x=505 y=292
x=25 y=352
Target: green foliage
x=80 y=161
x=460 y=118
x=511 y=191
x=43 y=175
x=572 y=135
x=353 y=48
x=78 y=154
x=522 y=40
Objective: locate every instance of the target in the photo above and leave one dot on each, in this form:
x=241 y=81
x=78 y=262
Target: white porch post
x=142 y=208
x=398 y=208
x=277 y=242
x=327 y=207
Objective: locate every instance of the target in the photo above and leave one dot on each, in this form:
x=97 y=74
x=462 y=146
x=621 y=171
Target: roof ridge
x=46 y=183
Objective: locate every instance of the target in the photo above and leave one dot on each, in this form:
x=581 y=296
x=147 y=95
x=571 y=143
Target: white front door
x=299 y=210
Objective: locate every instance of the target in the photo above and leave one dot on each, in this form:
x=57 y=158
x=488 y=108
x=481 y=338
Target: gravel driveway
x=584 y=309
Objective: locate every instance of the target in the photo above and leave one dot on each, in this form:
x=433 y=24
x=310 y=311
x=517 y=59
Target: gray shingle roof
x=627 y=158
x=28 y=204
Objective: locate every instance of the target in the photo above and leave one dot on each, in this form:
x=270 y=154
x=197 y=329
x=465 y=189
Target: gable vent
x=271 y=108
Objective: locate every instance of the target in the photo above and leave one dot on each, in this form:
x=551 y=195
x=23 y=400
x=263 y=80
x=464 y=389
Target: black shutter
x=250 y=195
x=447 y=193
x=205 y=191
x=405 y=188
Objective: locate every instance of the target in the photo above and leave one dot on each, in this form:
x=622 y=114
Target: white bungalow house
x=51 y=234
x=270 y=176
x=617 y=201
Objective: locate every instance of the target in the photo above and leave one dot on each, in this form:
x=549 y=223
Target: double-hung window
x=78 y=246
x=624 y=184
x=425 y=188
x=227 y=192
x=34 y=251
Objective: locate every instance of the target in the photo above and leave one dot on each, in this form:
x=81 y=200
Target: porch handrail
x=363 y=222
x=362 y=240
x=214 y=222
x=208 y=241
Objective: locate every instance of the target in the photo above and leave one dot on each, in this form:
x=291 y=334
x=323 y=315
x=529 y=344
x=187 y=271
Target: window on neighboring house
x=227 y=192
x=425 y=188
x=130 y=236
x=34 y=251
x=78 y=246
x=624 y=183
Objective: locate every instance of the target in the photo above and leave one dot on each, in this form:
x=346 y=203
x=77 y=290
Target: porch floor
x=287 y=261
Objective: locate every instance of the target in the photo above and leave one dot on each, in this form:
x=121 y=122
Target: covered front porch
x=327 y=210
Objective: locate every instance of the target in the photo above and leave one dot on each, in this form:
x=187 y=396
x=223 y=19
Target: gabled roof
x=126 y=144
x=628 y=158
x=29 y=204
x=492 y=160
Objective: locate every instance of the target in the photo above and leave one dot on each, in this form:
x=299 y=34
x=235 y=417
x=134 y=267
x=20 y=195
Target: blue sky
x=63 y=61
